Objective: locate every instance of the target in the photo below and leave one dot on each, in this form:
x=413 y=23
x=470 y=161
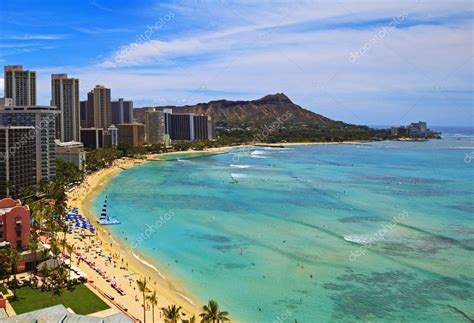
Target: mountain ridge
x=253 y=112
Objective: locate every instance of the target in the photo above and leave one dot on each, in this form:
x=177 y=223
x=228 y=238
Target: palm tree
x=171 y=313
x=14 y=256
x=44 y=271
x=142 y=287
x=213 y=314
x=153 y=300
x=191 y=320
x=33 y=246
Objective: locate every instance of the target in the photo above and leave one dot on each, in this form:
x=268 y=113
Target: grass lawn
x=3 y=289
x=81 y=300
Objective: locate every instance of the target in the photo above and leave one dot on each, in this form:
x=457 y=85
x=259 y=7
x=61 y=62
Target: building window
x=18 y=233
x=1 y=224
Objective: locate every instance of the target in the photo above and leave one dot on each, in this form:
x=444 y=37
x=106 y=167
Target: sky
x=364 y=62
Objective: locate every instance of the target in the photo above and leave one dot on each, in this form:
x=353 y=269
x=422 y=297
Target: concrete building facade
x=92 y=138
x=65 y=96
x=71 y=152
x=98 y=108
x=131 y=134
x=17 y=159
x=122 y=111
x=20 y=85
x=43 y=120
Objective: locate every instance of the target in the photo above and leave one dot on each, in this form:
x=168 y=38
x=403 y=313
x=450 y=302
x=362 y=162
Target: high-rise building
x=65 y=96
x=122 y=111
x=43 y=119
x=211 y=129
x=201 y=127
x=180 y=126
x=92 y=138
x=17 y=159
x=98 y=111
x=20 y=85
x=131 y=134
x=155 y=125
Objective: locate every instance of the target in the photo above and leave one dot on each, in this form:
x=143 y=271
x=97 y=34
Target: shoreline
x=169 y=290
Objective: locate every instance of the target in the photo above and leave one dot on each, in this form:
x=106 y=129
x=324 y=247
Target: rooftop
x=68 y=144
x=59 y=314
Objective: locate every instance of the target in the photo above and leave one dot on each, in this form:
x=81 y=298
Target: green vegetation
x=300 y=134
x=81 y=300
x=212 y=313
x=100 y=158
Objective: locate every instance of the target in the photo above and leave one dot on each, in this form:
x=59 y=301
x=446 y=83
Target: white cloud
x=38 y=37
x=256 y=51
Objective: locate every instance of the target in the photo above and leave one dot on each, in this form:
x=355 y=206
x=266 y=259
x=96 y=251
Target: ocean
x=378 y=231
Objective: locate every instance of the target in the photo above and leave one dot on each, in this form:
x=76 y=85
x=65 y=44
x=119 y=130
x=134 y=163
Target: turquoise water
x=298 y=233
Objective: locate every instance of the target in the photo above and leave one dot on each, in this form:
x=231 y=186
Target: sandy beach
x=135 y=268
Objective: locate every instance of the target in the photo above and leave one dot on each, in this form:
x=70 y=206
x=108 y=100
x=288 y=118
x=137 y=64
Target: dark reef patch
x=392 y=295
x=211 y=237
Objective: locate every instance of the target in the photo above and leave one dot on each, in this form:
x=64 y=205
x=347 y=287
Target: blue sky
x=366 y=62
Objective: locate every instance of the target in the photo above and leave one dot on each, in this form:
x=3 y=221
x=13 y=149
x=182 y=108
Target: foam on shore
x=148 y=265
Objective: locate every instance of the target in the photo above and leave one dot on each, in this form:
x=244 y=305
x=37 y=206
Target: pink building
x=14 y=223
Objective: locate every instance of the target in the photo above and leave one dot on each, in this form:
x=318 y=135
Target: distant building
x=92 y=138
x=415 y=129
x=164 y=125
x=155 y=125
x=20 y=85
x=418 y=129
x=98 y=108
x=180 y=126
x=71 y=152
x=43 y=119
x=83 y=114
x=65 y=96
x=131 y=134
x=122 y=111
x=399 y=131
x=14 y=223
x=17 y=159
x=203 y=127
x=113 y=132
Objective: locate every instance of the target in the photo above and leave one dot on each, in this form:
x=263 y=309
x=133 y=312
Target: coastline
x=169 y=290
